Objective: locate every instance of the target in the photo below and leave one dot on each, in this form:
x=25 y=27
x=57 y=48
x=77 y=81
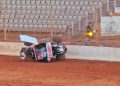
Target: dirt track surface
x=14 y=72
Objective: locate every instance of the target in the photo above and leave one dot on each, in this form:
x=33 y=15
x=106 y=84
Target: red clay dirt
x=14 y=72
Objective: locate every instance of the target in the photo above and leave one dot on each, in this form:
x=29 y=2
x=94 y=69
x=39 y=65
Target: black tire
x=22 y=53
x=28 y=54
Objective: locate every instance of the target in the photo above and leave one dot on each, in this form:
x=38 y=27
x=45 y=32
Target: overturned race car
x=41 y=52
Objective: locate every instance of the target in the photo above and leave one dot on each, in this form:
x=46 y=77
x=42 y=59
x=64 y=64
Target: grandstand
x=50 y=17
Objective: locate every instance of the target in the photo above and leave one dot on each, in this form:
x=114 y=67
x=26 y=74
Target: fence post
x=5 y=28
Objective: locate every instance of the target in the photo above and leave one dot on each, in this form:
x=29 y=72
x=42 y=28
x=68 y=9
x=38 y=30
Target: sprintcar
x=42 y=52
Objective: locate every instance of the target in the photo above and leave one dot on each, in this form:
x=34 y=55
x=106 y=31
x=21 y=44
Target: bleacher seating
x=44 y=14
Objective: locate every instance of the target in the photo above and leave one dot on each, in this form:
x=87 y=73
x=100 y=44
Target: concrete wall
x=74 y=52
x=110 y=25
x=93 y=53
x=117 y=10
x=10 y=48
